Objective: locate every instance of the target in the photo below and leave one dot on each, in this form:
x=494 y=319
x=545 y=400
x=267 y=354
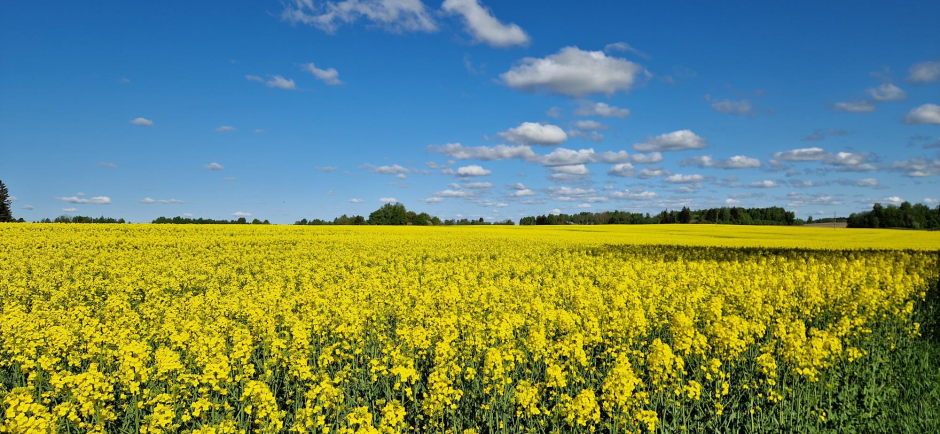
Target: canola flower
x=158 y=329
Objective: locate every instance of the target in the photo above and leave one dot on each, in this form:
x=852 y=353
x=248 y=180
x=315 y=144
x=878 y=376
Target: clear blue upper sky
x=290 y=110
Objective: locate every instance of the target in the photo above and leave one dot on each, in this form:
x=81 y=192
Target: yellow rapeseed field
x=664 y=328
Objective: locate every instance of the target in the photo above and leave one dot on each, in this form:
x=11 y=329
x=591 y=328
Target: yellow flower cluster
x=223 y=329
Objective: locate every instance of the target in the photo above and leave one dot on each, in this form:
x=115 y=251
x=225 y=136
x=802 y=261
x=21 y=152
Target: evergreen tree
x=5 y=203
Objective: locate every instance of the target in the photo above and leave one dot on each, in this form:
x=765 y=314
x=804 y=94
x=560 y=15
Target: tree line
x=395 y=214
x=203 y=221
x=907 y=216
x=724 y=215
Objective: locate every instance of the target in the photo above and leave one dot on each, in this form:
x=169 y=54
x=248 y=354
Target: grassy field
x=660 y=328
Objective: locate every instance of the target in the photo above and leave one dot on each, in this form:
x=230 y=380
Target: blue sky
x=304 y=109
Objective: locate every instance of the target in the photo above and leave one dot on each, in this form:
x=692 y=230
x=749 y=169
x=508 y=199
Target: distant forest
x=396 y=215
x=201 y=221
x=907 y=216
x=731 y=216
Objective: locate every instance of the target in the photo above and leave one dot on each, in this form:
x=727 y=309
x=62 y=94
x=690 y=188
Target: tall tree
x=5 y=203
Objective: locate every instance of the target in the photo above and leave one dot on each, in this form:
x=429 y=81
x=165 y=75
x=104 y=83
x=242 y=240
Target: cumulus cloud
x=589 y=108
x=917 y=167
x=574 y=72
x=142 y=122
x=867 y=182
x=472 y=170
x=854 y=107
x=241 y=214
x=499 y=152
x=524 y=192
x=453 y=193
x=70 y=209
x=386 y=170
x=731 y=107
x=225 y=129
x=684 y=179
x=593 y=136
x=924 y=72
x=432 y=200
x=638 y=194
x=326 y=169
x=355 y=200
x=394 y=15
x=280 y=82
x=652 y=172
x=623 y=169
x=763 y=184
x=214 y=166
x=329 y=76
x=844 y=161
x=675 y=141
x=388 y=200
x=531 y=133
x=925 y=114
x=104 y=165
x=98 y=200
x=887 y=92
x=148 y=200
x=478 y=185
x=800 y=200
x=732 y=202
x=568 y=173
x=480 y=22
x=589 y=125
x=735 y=162
x=894 y=200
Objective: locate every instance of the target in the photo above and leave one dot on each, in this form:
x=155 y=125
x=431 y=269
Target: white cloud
x=589 y=125
x=731 y=107
x=388 y=200
x=524 y=192
x=887 y=92
x=329 y=76
x=732 y=202
x=432 y=200
x=499 y=152
x=845 y=161
x=142 y=122
x=124 y=80
x=241 y=214
x=924 y=72
x=30 y=207
x=926 y=200
x=867 y=182
x=925 y=114
x=147 y=200
x=593 y=136
x=584 y=205
x=70 y=209
x=162 y=201
x=567 y=157
x=214 y=166
x=478 y=185
x=280 y=82
x=386 y=170
x=516 y=186
x=401 y=176
x=625 y=47
x=555 y=211
x=674 y=141
x=735 y=162
x=763 y=184
x=917 y=167
x=568 y=173
x=574 y=72
x=623 y=169
x=589 y=108
x=354 y=200
x=634 y=195
x=799 y=200
x=98 y=200
x=651 y=158
x=684 y=179
x=472 y=170
x=894 y=200
x=651 y=172
x=480 y=22
x=326 y=169
x=854 y=107
x=104 y=165
x=554 y=112
x=394 y=15
x=453 y=193
x=225 y=129
x=258 y=131
x=531 y=133
x=254 y=78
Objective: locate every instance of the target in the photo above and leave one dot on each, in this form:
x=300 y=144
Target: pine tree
x=5 y=203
